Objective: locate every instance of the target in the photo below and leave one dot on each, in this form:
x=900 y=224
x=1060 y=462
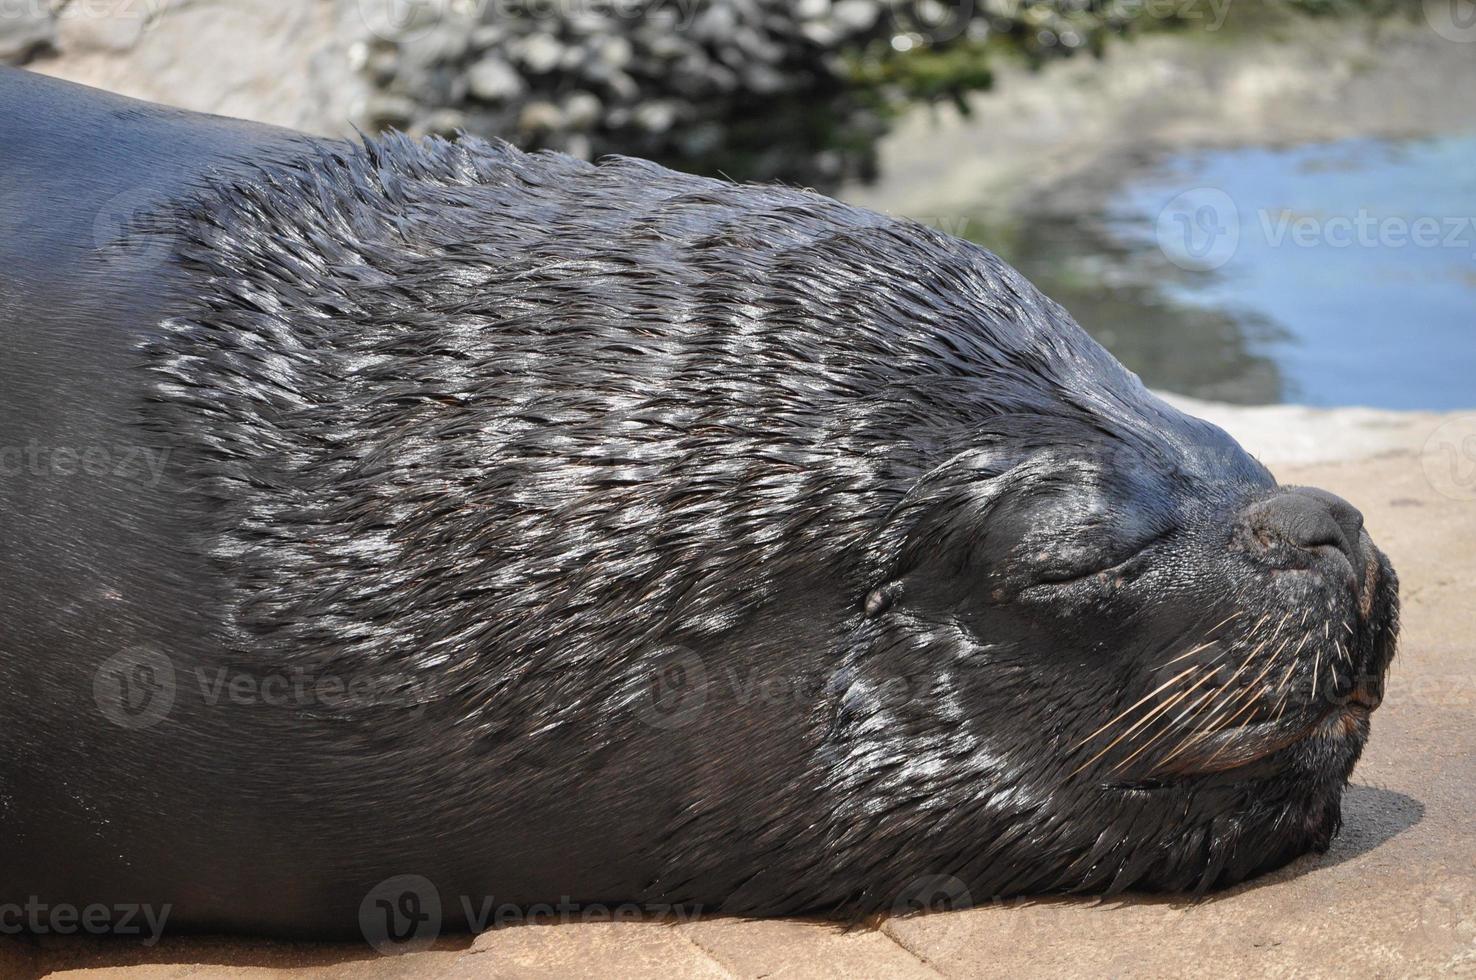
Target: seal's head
x=1168 y=660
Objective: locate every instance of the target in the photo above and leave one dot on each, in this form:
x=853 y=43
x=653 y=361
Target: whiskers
x=1188 y=720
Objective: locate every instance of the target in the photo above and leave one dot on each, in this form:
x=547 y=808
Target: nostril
x=1348 y=518
x=1330 y=548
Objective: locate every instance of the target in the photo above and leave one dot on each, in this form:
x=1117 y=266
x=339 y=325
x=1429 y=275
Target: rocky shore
x=798 y=90
x=704 y=84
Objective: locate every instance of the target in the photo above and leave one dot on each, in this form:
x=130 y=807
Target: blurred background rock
x=703 y=84
x=1057 y=132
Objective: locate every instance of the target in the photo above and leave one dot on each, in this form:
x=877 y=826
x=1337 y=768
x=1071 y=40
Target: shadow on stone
x=1371 y=816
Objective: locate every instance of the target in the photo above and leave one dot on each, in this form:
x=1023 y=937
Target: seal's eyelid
x=1099 y=570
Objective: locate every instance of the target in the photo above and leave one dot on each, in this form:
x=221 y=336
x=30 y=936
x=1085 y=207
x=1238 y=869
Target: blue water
x=1348 y=269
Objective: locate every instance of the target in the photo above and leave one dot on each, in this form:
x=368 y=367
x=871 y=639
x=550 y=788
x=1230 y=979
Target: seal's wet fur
x=703 y=543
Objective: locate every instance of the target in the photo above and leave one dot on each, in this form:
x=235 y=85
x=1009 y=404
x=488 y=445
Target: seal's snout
x=1309 y=520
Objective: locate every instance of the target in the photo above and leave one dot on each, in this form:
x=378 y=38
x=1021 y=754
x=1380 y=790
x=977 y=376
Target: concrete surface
x=1395 y=897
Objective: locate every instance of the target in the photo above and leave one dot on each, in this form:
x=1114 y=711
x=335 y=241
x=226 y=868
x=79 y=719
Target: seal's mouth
x=1214 y=719
x=1239 y=747
x=1261 y=729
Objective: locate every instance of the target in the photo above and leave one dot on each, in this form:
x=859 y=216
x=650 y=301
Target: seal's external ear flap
x=881 y=599
x=947 y=510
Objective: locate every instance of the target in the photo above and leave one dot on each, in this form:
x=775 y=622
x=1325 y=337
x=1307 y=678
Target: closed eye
x=1058 y=577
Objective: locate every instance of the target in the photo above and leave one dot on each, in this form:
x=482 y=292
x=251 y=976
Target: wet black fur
x=534 y=444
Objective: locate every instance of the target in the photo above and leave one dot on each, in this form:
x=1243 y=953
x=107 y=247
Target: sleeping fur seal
x=512 y=526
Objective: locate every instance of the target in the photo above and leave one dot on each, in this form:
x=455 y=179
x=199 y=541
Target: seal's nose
x=1309 y=519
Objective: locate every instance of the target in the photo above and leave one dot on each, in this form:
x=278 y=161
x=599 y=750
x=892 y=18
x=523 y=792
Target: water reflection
x=1350 y=276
